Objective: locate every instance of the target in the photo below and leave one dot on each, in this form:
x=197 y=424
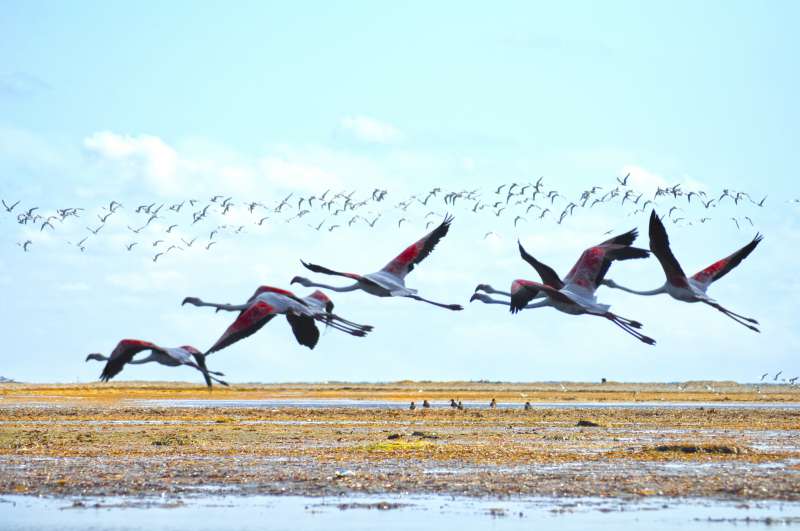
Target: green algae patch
x=398 y=446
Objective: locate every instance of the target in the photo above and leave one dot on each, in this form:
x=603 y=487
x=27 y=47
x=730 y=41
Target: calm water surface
x=414 y=512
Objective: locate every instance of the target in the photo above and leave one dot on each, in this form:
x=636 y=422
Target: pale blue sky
x=243 y=99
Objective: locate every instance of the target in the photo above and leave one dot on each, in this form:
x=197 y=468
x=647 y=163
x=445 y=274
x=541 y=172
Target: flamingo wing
x=279 y=291
x=124 y=353
x=415 y=253
x=246 y=324
x=720 y=268
x=325 y=271
x=524 y=291
x=659 y=244
x=626 y=238
x=304 y=328
x=593 y=264
x=548 y=275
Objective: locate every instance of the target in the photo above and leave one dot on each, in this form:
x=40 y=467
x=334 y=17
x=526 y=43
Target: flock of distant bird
x=574 y=294
x=162 y=229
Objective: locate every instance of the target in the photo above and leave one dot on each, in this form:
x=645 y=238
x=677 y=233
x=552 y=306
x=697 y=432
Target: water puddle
x=202 y=512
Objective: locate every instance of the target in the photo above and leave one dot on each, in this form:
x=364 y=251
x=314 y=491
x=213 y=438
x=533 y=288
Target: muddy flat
x=707 y=440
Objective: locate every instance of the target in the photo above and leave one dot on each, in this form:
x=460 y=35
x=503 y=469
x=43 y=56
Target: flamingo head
x=191 y=300
x=484 y=287
x=479 y=297
x=301 y=280
x=96 y=356
x=608 y=282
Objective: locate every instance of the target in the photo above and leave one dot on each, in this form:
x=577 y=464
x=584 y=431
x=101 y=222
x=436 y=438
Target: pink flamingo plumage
x=574 y=295
x=389 y=281
x=691 y=289
x=267 y=302
x=126 y=349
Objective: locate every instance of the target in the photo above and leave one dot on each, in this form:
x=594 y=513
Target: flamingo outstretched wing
x=593 y=264
x=659 y=244
x=325 y=271
x=246 y=324
x=720 y=268
x=524 y=291
x=124 y=353
x=279 y=291
x=304 y=329
x=547 y=273
x=626 y=238
x=415 y=253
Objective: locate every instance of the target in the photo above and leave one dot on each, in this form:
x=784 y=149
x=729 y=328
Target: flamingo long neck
x=657 y=291
x=226 y=307
x=489 y=300
x=489 y=289
x=540 y=304
x=340 y=289
x=148 y=359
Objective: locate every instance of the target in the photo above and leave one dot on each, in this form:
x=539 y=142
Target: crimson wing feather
x=124 y=353
x=524 y=291
x=720 y=268
x=415 y=253
x=246 y=324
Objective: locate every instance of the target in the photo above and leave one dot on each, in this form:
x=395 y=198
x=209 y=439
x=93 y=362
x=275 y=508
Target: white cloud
x=147 y=155
x=370 y=130
x=294 y=174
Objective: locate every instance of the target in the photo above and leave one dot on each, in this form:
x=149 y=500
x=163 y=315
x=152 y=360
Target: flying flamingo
x=691 y=289
x=551 y=278
x=126 y=349
x=575 y=294
x=389 y=281
x=267 y=302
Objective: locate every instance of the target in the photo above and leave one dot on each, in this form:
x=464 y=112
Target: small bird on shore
x=493 y=403
x=528 y=406
x=426 y=404
x=413 y=406
x=453 y=403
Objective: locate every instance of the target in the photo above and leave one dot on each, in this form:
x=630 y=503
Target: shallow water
x=420 y=512
x=393 y=404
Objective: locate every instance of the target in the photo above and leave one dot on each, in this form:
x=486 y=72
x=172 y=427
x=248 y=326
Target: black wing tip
x=632 y=252
x=629 y=237
x=757 y=239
